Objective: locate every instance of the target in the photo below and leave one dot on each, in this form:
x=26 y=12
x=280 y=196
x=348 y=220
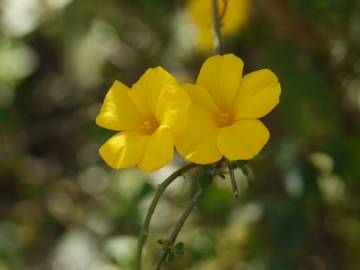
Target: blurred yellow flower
x=200 y=12
x=148 y=115
x=224 y=111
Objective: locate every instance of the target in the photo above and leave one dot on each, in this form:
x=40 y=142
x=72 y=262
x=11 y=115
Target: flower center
x=225 y=119
x=149 y=126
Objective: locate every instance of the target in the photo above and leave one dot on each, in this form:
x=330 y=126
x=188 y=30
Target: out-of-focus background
x=62 y=208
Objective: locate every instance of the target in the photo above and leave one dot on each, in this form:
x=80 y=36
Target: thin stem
x=233 y=180
x=172 y=238
x=217 y=28
x=159 y=191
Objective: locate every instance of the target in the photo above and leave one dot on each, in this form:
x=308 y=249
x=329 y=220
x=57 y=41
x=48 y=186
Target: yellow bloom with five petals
x=147 y=117
x=225 y=110
x=200 y=13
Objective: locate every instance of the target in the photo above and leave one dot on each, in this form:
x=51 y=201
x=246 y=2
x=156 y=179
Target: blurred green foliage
x=62 y=208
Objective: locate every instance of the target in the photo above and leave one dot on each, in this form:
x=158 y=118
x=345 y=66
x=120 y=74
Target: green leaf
x=171 y=257
x=180 y=248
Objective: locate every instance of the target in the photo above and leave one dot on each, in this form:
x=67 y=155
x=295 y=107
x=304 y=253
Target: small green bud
x=180 y=248
x=164 y=243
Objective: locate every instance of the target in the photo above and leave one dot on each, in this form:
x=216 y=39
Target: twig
x=217 y=28
x=160 y=190
x=195 y=200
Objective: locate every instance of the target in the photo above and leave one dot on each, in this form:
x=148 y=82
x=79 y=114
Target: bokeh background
x=62 y=208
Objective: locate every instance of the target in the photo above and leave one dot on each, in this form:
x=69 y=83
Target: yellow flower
x=224 y=111
x=148 y=115
x=200 y=12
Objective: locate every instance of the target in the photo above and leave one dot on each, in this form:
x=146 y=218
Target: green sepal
x=245 y=171
x=240 y=163
x=260 y=156
x=209 y=170
x=221 y=173
x=205 y=180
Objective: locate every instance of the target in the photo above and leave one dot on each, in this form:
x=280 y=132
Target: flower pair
x=206 y=121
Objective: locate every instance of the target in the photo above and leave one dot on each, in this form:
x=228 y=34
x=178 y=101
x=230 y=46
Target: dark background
x=62 y=208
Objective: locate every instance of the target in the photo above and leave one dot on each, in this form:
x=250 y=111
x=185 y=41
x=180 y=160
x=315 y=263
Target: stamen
x=148 y=127
x=225 y=119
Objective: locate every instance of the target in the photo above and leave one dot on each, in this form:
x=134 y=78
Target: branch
x=172 y=238
x=160 y=190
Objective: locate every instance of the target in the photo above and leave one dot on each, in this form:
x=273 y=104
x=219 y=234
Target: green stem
x=217 y=28
x=195 y=200
x=233 y=179
x=222 y=15
x=159 y=191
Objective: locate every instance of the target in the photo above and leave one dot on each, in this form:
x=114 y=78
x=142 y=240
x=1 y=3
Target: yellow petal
x=202 y=104
x=146 y=91
x=199 y=142
x=236 y=15
x=200 y=13
x=258 y=94
x=159 y=150
x=118 y=112
x=173 y=107
x=221 y=76
x=124 y=150
x=243 y=140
